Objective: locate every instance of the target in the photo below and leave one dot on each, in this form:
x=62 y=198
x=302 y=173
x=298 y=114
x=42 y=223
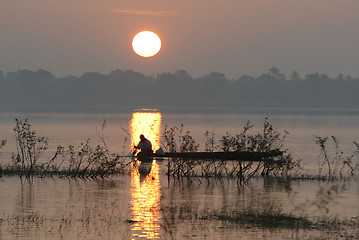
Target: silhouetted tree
x=129 y=88
x=294 y=76
x=2 y=77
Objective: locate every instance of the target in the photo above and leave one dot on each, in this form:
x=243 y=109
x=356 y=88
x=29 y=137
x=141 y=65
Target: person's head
x=142 y=137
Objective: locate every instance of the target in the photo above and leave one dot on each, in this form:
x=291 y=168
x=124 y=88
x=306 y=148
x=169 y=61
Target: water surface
x=146 y=204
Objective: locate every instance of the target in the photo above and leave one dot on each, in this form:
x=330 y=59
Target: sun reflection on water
x=148 y=123
x=145 y=201
x=145 y=178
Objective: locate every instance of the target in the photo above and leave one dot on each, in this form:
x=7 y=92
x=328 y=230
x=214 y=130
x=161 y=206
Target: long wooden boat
x=237 y=155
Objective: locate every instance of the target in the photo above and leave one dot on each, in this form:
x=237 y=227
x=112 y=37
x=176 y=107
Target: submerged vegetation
x=84 y=160
x=261 y=216
x=100 y=212
x=89 y=160
x=178 y=221
x=255 y=213
x=337 y=165
x=269 y=140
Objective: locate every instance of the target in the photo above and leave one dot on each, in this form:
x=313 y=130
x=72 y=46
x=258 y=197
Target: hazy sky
x=231 y=36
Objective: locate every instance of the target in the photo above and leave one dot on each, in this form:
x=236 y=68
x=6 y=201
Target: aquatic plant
x=270 y=141
x=261 y=216
x=84 y=160
x=170 y=143
x=257 y=213
x=177 y=141
x=320 y=203
x=2 y=144
x=89 y=223
x=210 y=142
x=338 y=165
x=29 y=146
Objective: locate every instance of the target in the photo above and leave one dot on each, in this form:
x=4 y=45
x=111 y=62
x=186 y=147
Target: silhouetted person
x=144 y=145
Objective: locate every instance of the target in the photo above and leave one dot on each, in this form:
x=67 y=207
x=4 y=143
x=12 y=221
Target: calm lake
x=151 y=205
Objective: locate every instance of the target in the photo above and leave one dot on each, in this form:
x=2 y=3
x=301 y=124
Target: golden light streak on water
x=145 y=200
x=148 y=123
x=145 y=177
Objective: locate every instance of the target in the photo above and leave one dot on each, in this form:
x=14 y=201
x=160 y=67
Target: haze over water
x=233 y=37
x=69 y=68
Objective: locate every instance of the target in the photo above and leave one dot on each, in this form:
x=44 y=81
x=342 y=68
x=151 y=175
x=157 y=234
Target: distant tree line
x=130 y=88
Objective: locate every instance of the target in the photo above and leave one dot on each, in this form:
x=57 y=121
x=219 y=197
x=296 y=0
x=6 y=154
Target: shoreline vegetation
x=88 y=161
x=82 y=161
x=91 y=161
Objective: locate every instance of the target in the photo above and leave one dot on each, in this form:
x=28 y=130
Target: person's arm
x=135 y=149
x=139 y=146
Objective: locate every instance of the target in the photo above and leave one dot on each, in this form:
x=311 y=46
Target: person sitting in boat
x=144 y=145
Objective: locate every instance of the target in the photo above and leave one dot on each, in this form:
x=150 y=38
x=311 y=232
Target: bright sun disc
x=146 y=44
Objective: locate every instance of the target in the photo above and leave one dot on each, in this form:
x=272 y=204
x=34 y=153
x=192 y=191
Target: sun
x=146 y=44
